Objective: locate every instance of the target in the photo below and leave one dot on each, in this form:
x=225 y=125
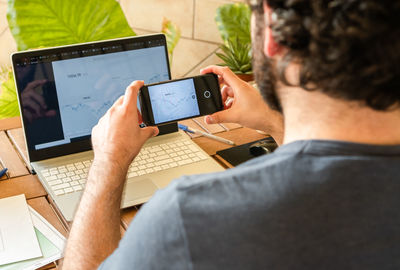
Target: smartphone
x=171 y=101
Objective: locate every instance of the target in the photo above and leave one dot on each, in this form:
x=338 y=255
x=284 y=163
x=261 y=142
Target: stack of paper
x=27 y=240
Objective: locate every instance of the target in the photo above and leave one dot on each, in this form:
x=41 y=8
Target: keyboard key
x=51 y=178
x=63 y=170
x=74 y=183
x=55 y=182
x=70 y=173
x=67 y=179
x=141 y=172
x=61 y=175
x=65 y=185
x=177 y=158
x=161 y=157
x=173 y=164
x=162 y=162
x=82 y=181
x=75 y=177
x=71 y=168
x=132 y=174
x=166 y=166
x=155 y=149
x=157 y=168
x=46 y=174
x=59 y=192
x=53 y=172
x=149 y=170
x=78 y=172
x=184 y=162
x=44 y=171
x=77 y=188
x=68 y=190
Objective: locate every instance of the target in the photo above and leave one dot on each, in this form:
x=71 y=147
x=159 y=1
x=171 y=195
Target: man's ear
x=271 y=48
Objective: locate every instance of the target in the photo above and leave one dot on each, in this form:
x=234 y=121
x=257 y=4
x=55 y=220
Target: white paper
x=17 y=233
x=51 y=243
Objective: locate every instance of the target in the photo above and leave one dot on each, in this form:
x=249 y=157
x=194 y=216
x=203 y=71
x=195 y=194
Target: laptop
x=63 y=92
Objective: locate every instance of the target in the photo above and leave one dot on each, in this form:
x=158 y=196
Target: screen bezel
x=145 y=102
x=85 y=144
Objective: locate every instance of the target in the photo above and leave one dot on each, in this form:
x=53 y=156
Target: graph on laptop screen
x=64 y=95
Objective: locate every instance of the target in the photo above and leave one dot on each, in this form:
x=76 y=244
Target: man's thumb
x=150 y=132
x=219 y=117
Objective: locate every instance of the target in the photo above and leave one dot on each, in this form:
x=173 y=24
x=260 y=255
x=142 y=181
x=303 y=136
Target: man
x=326 y=199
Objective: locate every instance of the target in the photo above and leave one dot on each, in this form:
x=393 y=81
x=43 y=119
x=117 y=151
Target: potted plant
x=233 y=21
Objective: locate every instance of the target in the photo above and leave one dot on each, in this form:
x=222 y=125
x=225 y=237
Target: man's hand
x=117 y=138
x=34 y=105
x=244 y=105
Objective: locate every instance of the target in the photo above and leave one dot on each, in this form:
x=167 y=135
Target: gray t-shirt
x=309 y=205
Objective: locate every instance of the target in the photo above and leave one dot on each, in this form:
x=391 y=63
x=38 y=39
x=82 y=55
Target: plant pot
x=246 y=77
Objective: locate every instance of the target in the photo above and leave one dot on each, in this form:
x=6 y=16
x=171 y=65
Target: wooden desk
x=13 y=155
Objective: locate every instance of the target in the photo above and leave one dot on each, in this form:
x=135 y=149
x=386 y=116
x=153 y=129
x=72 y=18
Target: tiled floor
x=200 y=37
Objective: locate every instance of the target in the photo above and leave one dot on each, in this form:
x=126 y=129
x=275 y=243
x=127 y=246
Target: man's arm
x=116 y=140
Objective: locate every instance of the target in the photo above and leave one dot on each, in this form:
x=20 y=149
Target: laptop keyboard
x=72 y=177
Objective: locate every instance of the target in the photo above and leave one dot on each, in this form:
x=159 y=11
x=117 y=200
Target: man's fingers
x=224 y=116
x=227 y=75
x=226 y=92
x=131 y=94
x=34 y=84
x=38 y=98
x=149 y=132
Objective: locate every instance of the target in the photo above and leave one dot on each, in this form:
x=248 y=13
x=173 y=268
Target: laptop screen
x=63 y=92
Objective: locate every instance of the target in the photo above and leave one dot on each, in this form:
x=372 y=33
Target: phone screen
x=174 y=100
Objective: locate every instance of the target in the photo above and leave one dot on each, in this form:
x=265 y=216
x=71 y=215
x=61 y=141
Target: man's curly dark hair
x=348 y=49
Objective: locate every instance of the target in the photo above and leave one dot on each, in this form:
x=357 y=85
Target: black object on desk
x=242 y=153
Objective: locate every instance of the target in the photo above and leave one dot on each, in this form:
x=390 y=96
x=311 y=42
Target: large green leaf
x=8 y=95
x=46 y=23
x=233 y=21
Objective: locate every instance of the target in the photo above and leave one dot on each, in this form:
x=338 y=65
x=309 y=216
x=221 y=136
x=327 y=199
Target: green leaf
x=173 y=34
x=47 y=23
x=8 y=95
x=233 y=20
x=236 y=56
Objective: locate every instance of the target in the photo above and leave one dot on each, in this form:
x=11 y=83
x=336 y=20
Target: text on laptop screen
x=64 y=95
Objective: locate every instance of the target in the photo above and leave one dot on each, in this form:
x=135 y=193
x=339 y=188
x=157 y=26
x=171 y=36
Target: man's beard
x=263 y=68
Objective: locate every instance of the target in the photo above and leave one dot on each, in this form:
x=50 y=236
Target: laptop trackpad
x=139 y=189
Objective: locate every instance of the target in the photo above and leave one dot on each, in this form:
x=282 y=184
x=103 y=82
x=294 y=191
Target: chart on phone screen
x=87 y=87
x=174 y=100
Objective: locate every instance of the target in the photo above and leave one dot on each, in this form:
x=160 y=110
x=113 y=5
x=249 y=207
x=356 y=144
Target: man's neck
x=313 y=115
